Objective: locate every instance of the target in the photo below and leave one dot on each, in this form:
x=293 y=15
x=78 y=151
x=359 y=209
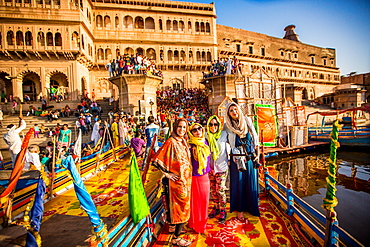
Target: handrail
x=293 y=203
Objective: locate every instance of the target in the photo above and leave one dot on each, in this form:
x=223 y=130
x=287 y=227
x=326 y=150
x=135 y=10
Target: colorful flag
x=35 y=216
x=139 y=207
x=267 y=121
x=18 y=166
x=85 y=199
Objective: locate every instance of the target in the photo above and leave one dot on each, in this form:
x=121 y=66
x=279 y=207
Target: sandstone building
x=46 y=43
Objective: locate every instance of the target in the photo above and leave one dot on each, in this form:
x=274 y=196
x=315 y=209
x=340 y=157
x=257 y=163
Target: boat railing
x=310 y=220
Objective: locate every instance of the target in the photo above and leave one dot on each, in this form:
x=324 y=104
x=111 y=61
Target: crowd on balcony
x=127 y=64
x=191 y=104
x=223 y=66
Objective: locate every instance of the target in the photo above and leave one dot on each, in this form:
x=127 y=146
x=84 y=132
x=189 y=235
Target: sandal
x=213 y=213
x=240 y=216
x=181 y=242
x=222 y=218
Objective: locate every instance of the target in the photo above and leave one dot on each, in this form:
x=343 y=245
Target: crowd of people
x=194 y=158
x=224 y=67
x=191 y=104
x=127 y=64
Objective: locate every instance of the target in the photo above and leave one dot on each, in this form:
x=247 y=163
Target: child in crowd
x=51 y=132
x=36 y=131
x=43 y=129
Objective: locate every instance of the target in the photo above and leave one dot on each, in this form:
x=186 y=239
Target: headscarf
x=238 y=126
x=213 y=137
x=202 y=149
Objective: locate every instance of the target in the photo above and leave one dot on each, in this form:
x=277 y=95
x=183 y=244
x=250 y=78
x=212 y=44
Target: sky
x=340 y=24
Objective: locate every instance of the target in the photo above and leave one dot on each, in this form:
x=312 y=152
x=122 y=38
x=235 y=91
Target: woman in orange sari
x=173 y=159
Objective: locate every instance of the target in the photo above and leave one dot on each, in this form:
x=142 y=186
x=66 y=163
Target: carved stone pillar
x=137 y=88
x=17 y=88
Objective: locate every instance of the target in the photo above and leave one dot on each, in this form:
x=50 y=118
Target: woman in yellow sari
x=173 y=159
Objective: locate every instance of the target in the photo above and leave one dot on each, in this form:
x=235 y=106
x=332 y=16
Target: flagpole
x=53 y=170
x=111 y=143
x=101 y=147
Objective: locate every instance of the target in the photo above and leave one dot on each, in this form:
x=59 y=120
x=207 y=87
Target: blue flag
x=84 y=197
x=33 y=238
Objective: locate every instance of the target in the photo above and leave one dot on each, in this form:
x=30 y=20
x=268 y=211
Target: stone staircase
x=32 y=120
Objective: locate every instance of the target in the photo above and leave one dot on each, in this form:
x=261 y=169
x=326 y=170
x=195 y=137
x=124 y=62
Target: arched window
x=139 y=22
x=49 y=39
x=189 y=25
x=75 y=40
x=99 y=21
x=170 y=55
x=149 y=23
x=58 y=39
x=82 y=41
x=175 y=26
x=197 y=29
x=202 y=27
x=150 y=53
x=160 y=25
x=116 y=22
x=19 y=38
x=181 y=26
x=41 y=39
x=182 y=55
x=29 y=38
x=168 y=24
x=89 y=48
x=198 y=56
x=128 y=22
x=191 y=56
x=107 y=22
x=140 y=51
x=10 y=37
x=129 y=51
x=176 y=55
x=108 y=54
x=100 y=54
x=208 y=28
x=203 y=56
x=209 y=57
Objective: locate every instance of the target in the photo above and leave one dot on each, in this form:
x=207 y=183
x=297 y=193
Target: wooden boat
x=348 y=136
x=27 y=184
x=285 y=218
x=352 y=135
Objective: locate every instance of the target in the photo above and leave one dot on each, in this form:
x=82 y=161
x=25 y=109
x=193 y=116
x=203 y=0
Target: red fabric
x=199 y=202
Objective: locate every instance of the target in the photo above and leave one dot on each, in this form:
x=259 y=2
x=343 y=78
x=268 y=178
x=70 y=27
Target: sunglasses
x=213 y=124
x=196 y=129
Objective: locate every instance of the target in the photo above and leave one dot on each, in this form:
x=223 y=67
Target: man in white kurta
x=13 y=139
x=95 y=136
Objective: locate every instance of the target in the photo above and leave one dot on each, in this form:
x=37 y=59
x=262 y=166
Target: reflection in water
x=307 y=174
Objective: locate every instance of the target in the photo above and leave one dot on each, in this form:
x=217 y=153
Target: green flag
x=139 y=207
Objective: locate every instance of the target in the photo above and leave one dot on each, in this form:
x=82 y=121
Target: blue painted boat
x=352 y=135
x=347 y=136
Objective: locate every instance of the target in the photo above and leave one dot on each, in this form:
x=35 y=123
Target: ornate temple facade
x=49 y=43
